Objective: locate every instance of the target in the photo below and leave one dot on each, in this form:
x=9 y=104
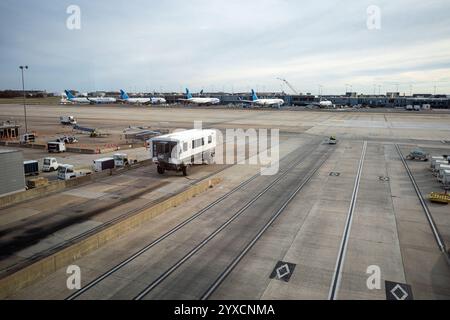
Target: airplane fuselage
x=102 y=100
x=269 y=102
x=203 y=100
x=153 y=100
x=79 y=100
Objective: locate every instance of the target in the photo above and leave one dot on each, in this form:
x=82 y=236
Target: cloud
x=230 y=44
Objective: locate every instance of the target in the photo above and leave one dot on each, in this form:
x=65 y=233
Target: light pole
x=24 y=105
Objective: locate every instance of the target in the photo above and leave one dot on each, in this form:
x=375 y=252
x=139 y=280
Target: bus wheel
x=160 y=170
x=185 y=171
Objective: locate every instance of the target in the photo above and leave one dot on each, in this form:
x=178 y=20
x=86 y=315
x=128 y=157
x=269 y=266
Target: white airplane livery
x=191 y=99
x=153 y=100
x=73 y=99
x=94 y=100
x=98 y=100
x=325 y=103
x=264 y=102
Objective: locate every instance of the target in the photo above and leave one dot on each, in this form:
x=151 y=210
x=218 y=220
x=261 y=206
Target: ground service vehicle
x=50 y=164
x=441 y=171
x=122 y=159
x=418 y=154
x=103 y=164
x=180 y=150
x=28 y=138
x=67 y=172
x=56 y=146
x=31 y=167
x=67 y=120
x=332 y=140
x=446 y=178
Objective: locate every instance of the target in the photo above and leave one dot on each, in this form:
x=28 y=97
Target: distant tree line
x=28 y=93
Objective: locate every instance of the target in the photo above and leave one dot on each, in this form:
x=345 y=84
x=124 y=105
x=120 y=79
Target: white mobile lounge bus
x=179 y=150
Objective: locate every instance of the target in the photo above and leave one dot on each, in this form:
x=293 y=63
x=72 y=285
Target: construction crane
x=289 y=85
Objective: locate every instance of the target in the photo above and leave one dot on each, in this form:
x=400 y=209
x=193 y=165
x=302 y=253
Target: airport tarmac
x=327 y=236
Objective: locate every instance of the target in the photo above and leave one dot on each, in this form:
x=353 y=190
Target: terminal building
x=389 y=100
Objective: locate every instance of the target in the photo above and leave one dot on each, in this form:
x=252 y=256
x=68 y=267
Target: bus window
x=209 y=139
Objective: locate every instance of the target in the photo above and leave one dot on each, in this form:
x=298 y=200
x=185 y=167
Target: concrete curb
x=47 y=265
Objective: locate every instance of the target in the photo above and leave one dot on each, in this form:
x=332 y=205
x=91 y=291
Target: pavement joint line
x=402 y=257
x=36 y=257
x=337 y=275
x=158 y=240
x=38 y=269
x=175 y=266
x=427 y=212
x=250 y=245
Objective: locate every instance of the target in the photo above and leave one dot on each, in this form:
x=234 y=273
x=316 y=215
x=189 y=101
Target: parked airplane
x=264 y=102
x=83 y=100
x=153 y=100
x=323 y=104
x=98 y=100
x=73 y=99
x=191 y=99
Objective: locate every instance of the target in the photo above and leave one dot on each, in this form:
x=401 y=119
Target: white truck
x=67 y=120
x=122 y=159
x=27 y=138
x=103 y=164
x=56 y=146
x=409 y=107
x=67 y=172
x=50 y=164
x=417 y=107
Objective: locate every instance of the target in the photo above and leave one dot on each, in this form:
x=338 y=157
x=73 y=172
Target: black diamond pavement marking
x=283 y=271
x=398 y=291
x=382 y=178
x=335 y=174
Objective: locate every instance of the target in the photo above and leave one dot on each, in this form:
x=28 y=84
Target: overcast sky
x=227 y=45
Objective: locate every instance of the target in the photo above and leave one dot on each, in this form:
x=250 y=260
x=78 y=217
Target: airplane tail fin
x=188 y=94
x=68 y=94
x=123 y=95
x=254 y=96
